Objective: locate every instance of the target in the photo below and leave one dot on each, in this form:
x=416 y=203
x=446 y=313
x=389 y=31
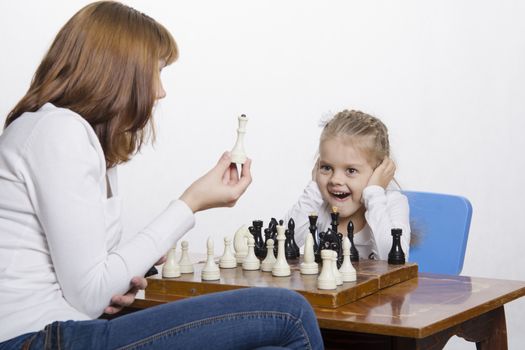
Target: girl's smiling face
x=342 y=175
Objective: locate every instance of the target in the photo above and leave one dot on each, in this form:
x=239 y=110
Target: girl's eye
x=351 y=171
x=325 y=168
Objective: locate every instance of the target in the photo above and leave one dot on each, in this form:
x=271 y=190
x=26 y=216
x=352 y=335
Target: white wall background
x=445 y=76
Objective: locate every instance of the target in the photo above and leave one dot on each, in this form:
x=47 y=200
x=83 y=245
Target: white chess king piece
x=251 y=262
x=240 y=243
x=270 y=260
x=238 y=154
x=210 y=271
x=171 y=269
x=309 y=266
x=326 y=279
x=227 y=260
x=281 y=267
x=185 y=263
x=347 y=269
x=337 y=274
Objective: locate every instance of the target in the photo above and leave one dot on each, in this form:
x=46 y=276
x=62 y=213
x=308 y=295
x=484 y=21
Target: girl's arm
x=309 y=202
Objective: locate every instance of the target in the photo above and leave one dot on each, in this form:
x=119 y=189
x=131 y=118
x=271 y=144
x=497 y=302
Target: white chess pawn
x=185 y=263
x=337 y=274
x=251 y=262
x=211 y=271
x=281 y=267
x=238 y=154
x=227 y=260
x=240 y=243
x=347 y=269
x=309 y=266
x=270 y=260
x=326 y=279
x=171 y=269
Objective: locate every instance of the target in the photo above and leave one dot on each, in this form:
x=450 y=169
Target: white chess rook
x=171 y=269
x=238 y=154
x=251 y=262
x=347 y=269
x=185 y=263
x=211 y=271
x=227 y=260
x=309 y=266
x=281 y=267
x=270 y=260
x=326 y=279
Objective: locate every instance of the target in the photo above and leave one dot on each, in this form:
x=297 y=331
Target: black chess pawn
x=255 y=230
x=291 y=229
x=396 y=255
x=354 y=253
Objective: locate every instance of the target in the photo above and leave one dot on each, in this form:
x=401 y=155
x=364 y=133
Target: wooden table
x=421 y=313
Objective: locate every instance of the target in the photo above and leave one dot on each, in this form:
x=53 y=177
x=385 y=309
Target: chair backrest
x=441 y=223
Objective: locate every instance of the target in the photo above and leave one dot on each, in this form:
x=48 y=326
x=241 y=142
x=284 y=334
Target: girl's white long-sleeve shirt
x=60 y=257
x=385 y=210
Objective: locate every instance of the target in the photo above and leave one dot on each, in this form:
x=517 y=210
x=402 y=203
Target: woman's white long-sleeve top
x=60 y=257
x=385 y=210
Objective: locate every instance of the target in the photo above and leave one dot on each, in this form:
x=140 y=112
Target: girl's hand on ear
x=219 y=187
x=383 y=174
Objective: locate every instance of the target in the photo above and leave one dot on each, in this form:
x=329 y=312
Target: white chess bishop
x=210 y=271
x=347 y=269
x=309 y=266
x=185 y=263
x=238 y=154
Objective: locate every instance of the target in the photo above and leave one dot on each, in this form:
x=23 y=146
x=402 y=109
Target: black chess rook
x=396 y=255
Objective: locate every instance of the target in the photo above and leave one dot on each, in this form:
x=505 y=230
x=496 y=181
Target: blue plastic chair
x=441 y=223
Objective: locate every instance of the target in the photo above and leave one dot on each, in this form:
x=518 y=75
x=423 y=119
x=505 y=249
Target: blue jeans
x=248 y=318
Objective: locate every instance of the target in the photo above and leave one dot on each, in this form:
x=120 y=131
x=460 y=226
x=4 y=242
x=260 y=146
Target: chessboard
x=372 y=276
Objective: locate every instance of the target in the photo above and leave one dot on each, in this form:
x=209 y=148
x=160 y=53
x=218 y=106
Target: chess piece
x=281 y=267
x=295 y=247
x=270 y=260
x=396 y=255
x=354 y=253
x=240 y=243
x=309 y=266
x=185 y=263
x=250 y=261
x=347 y=270
x=171 y=269
x=289 y=250
x=312 y=218
x=331 y=239
x=210 y=271
x=337 y=274
x=227 y=260
x=238 y=154
x=256 y=231
x=326 y=279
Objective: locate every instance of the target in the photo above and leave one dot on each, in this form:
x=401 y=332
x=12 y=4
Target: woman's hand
x=219 y=187
x=118 y=302
x=383 y=174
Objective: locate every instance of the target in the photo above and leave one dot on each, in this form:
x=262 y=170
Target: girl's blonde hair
x=104 y=65
x=366 y=131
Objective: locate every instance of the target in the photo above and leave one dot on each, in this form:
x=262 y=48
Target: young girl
x=61 y=264
x=354 y=173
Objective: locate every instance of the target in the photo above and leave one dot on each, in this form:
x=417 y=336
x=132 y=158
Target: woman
x=87 y=110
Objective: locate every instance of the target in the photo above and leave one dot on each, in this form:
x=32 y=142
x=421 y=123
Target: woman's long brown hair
x=104 y=65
